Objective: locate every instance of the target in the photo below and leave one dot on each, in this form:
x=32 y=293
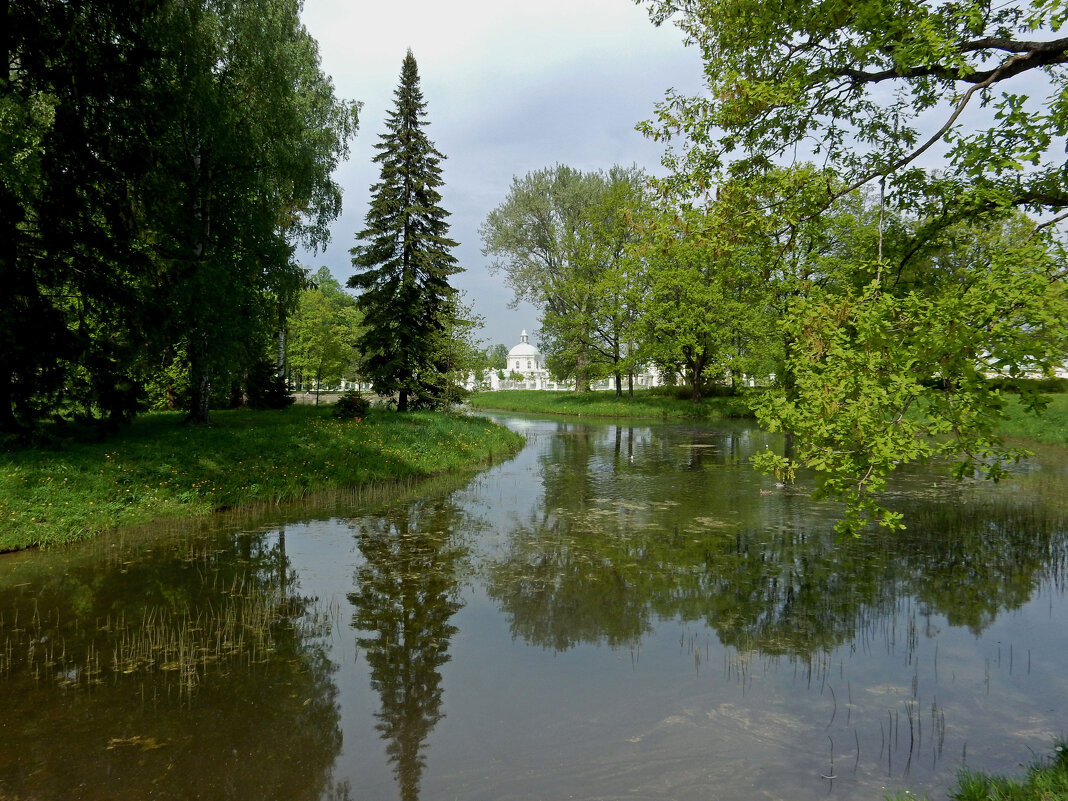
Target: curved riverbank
x=1050 y=428
x=644 y=404
x=158 y=468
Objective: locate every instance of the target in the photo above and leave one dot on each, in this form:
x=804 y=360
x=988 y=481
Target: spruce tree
x=403 y=261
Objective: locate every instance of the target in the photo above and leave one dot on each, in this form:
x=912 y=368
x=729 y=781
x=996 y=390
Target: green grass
x=1046 y=780
x=158 y=468
x=606 y=404
x=1051 y=427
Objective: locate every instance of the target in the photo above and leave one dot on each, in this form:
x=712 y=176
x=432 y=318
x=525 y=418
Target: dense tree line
x=872 y=335
x=861 y=211
x=160 y=164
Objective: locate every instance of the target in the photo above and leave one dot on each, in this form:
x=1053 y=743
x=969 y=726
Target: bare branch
x=1030 y=55
x=1048 y=223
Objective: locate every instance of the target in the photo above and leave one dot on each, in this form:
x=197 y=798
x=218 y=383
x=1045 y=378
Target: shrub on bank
x=351 y=406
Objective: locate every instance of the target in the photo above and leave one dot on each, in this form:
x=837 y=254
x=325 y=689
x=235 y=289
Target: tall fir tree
x=404 y=261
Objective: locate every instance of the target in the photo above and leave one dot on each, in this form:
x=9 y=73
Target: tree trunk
x=402 y=401
x=201 y=389
x=697 y=368
x=630 y=384
x=619 y=384
x=200 y=378
x=281 y=369
x=199 y=383
x=8 y=423
x=580 y=373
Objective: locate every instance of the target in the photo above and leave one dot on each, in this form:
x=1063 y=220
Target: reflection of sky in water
x=629 y=611
x=674 y=713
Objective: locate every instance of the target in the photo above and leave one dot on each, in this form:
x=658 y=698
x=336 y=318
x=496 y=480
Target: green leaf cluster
x=321 y=334
x=895 y=313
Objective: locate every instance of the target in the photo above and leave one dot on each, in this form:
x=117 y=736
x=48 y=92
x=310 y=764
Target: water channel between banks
x=622 y=611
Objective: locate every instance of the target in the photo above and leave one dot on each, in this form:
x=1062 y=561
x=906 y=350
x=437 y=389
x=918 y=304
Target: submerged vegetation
x=645 y=403
x=158 y=469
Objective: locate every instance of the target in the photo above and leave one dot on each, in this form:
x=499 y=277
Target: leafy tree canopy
x=561 y=238
x=892 y=332
x=878 y=88
x=322 y=333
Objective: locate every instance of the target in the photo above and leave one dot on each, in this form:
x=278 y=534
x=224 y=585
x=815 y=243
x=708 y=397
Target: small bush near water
x=158 y=468
x=351 y=406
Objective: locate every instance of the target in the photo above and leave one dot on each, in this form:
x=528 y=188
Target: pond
x=621 y=611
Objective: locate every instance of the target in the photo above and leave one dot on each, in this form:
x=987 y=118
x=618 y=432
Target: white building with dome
x=527 y=361
x=525 y=358
x=525 y=369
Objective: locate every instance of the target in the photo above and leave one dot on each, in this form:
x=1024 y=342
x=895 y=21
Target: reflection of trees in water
x=598 y=569
x=260 y=720
x=558 y=591
x=407 y=593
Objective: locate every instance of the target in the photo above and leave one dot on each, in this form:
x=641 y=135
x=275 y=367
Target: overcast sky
x=510 y=87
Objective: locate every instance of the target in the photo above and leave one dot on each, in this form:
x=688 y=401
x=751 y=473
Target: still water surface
x=622 y=611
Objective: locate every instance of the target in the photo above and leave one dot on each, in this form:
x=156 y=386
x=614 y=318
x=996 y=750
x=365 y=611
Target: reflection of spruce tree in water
x=406 y=597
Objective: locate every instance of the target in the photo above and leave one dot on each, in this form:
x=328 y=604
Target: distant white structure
x=526 y=361
x=525 y=369
x=525 y=358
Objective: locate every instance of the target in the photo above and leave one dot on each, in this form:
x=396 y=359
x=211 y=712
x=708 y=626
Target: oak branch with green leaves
x=956 y=113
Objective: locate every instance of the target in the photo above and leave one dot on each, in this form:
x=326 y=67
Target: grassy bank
x=158 y=468
x=1046 y=780
x=606 y=404
x=1051 y=427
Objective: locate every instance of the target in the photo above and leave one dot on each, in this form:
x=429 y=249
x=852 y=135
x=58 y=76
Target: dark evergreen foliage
x=404 y=262
x=73 y=128
x=265 y=389
x=158 y=163
x=350 y=406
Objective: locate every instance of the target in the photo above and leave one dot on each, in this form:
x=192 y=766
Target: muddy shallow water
x=621 y=611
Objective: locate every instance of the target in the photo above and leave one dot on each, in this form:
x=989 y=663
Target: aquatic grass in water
x=176 y=643
x=159 y=468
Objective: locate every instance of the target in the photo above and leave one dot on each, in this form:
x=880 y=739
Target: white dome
x=524 y=348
